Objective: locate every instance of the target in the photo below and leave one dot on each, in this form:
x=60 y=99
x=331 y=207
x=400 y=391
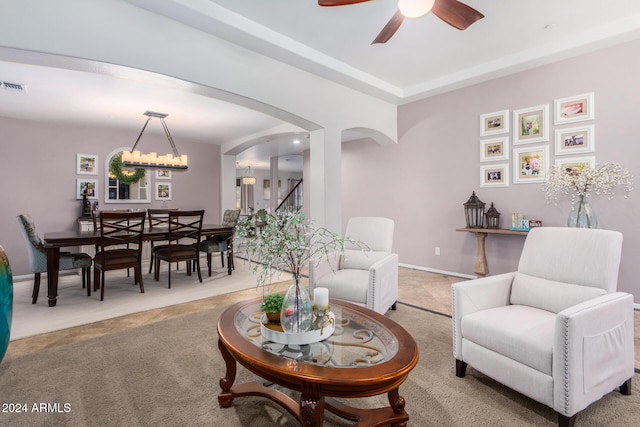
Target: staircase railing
x=293 y=200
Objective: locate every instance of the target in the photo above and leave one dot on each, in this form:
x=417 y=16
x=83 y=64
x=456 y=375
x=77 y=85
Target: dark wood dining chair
x=158 y=218
x=185 y=233
x=222 y=244
x=120 y=246
x=95 y=216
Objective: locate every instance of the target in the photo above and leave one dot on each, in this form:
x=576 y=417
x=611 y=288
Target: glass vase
x=296 y=310
x=582 y=215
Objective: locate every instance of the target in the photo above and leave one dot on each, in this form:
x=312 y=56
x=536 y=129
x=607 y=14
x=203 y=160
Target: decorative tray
x=273 y=332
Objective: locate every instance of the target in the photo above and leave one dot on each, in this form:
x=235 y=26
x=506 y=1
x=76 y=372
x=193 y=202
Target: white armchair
x=556 y=330
x=365 y=277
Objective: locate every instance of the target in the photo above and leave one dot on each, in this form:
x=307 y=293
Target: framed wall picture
x=530 y=164
x=494 y=149
x=494 y=175
x=531 y=125
x=90 y=186
x=163 y=191
x=266 y=189
x=86 y=164
x=575 y=140
x=574 y=109
x=494 y=123
x=163 y=174
x=576 y=163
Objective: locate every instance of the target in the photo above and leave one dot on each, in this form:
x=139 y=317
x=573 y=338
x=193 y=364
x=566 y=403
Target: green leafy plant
x=272 y=303
x=287 y=241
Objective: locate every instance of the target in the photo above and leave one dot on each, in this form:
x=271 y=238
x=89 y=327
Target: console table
x=481 y=268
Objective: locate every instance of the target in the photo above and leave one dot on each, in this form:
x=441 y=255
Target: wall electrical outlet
x=437 y=250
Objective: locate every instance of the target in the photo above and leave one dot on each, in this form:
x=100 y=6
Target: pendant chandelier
x=248 y=179
x=136 y=159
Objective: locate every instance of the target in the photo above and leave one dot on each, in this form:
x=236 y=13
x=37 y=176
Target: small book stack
x=518 y=223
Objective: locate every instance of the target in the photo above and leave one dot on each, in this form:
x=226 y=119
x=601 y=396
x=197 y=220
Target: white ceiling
x=425 y=57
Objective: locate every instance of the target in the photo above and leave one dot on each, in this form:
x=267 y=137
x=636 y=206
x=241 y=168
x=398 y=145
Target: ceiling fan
x=452 y=12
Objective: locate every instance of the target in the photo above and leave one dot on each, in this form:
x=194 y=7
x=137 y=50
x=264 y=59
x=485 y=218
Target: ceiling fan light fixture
x=415 y=8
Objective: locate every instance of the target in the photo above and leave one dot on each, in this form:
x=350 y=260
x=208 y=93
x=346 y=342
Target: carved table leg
x=311 y=405
x=225 y=399
x=397 y=403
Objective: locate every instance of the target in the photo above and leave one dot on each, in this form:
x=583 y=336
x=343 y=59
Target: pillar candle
x=321 y=297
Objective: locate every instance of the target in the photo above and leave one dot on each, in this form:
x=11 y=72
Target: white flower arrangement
x=581 y=182
x=286 y=241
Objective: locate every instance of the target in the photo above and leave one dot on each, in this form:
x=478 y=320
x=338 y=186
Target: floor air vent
x=13 y=87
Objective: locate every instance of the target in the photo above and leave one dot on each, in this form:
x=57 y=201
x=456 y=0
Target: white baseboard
x=636 y=306
x=433 y=270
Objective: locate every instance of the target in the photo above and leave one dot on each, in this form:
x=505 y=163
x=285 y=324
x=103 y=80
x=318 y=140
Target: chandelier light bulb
x=415 y=8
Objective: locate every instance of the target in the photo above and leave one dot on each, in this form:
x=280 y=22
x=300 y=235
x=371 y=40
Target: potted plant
x=287 y=242
x=272 y=306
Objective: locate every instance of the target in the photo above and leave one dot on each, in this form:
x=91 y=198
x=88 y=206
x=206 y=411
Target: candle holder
x=321 y=318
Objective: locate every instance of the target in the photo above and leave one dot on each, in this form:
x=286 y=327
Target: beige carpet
x=167 y=373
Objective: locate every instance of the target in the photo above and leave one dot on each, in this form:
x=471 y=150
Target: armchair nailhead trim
x=372 y=281
x=565 y=361
x=453 y=321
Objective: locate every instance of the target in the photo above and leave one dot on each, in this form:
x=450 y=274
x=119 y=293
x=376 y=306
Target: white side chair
x=369 y=277
x=556 y=330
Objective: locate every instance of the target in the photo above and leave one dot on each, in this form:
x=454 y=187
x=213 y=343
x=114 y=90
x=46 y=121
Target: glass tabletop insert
x=358 y=340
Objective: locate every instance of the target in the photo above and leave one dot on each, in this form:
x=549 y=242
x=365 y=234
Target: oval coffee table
x=367 y=355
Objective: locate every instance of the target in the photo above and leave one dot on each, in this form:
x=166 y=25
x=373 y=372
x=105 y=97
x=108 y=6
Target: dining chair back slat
x=121 y=228
x=158 y=218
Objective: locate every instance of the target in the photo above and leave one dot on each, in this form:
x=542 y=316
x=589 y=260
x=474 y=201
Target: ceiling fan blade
x=456 y=14
x=390 y=29
x=339 y=2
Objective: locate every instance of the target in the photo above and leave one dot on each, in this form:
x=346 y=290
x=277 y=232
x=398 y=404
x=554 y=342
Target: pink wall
x=423 y=181
x=37 y=176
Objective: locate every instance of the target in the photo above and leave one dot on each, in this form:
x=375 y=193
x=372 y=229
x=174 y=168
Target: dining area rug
x=122 y=297
x=167 y=373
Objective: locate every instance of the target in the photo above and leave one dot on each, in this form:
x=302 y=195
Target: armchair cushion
x=549 y=295
x=518 y=332
x=361 y=260
x=350 y=285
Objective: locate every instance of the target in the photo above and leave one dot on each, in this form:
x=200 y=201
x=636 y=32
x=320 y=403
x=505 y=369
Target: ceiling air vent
x=13 y=87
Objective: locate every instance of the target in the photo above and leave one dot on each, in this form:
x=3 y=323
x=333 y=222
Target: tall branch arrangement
x=286 y=242
x=580 y=182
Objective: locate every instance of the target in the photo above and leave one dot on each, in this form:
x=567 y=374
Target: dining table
x=53 y=241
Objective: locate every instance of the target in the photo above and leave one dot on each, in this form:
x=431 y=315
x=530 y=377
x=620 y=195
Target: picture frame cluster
x=163 y=188
x=530 y=130
x=86 y=164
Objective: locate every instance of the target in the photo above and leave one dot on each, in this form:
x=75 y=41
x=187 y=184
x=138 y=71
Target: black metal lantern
x=493 y=217
x=474 y=212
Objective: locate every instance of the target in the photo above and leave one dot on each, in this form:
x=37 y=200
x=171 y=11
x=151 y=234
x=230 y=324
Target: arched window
x=124 y=185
